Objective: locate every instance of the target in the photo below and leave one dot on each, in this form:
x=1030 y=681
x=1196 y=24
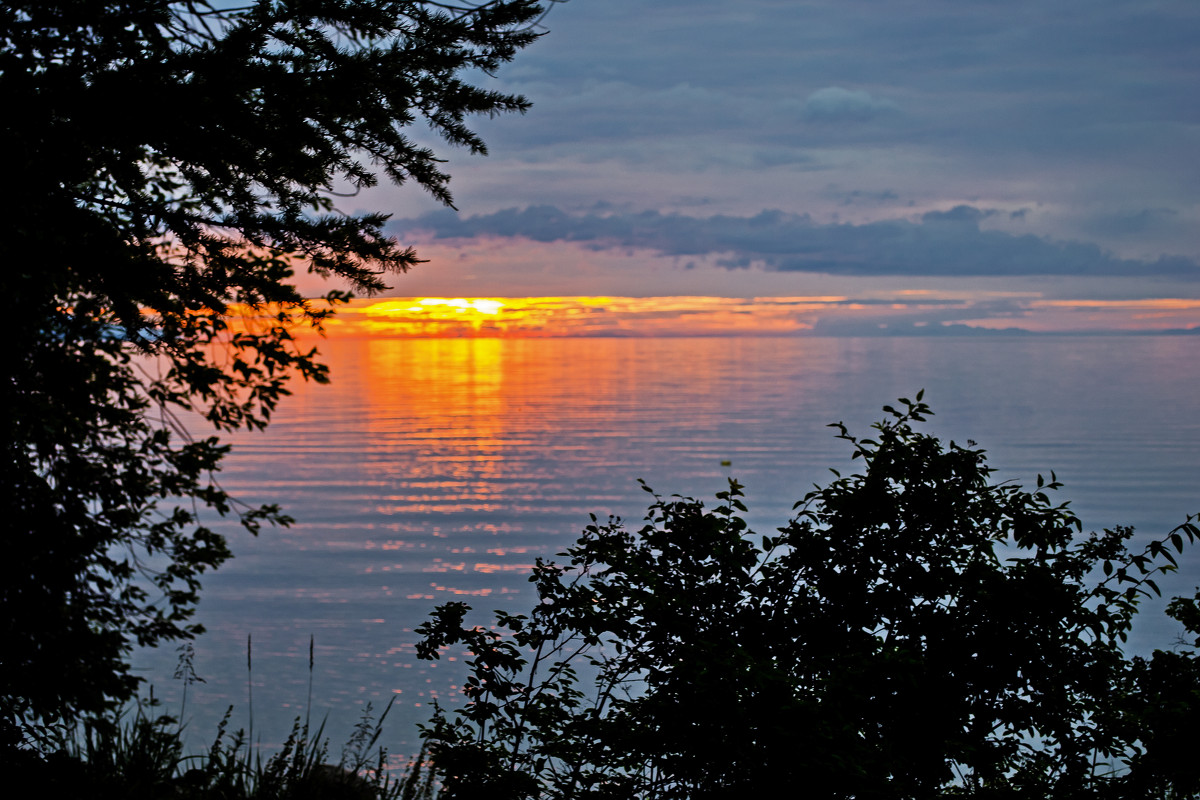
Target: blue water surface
x=432 y=470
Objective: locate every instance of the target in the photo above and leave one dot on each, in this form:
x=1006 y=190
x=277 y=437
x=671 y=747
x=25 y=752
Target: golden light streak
x=490 y=317
x=609 y=316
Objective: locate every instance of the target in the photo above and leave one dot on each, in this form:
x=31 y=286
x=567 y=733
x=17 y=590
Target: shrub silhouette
x=915 y=630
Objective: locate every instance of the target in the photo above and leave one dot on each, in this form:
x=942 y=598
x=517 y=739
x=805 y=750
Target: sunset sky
x=911 y=166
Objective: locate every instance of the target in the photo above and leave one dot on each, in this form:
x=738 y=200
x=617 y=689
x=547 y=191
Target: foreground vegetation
x=170 y=192
x=914 y=631
x=139 y=754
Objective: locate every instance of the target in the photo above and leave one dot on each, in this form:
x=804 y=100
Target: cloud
x=939 y=243
x=835 y=104
x=1147 y=221
x=1075 y=110
x=860 y=197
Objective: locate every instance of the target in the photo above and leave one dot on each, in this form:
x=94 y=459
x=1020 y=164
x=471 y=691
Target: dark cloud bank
x=949 y=243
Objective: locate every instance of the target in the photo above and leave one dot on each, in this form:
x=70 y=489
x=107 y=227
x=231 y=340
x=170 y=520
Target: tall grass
x=139 y=753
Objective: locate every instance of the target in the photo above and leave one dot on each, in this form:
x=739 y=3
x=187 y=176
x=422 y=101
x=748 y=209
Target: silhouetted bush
x=915 y=630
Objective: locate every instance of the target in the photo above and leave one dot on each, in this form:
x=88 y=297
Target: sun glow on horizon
x=675 y=316
x=434 y=305
x=512 y=317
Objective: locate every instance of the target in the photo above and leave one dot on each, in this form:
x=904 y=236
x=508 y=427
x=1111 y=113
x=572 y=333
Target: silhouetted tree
x=914 y=631
x=169 y=166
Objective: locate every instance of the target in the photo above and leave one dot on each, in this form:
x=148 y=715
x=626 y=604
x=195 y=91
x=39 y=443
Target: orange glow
x=429 y=380
x=570 y=317
x=465 y=405
x=511 y=317
x=433 y=308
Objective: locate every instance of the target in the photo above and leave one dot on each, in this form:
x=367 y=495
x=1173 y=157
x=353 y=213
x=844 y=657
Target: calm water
x=433 y=470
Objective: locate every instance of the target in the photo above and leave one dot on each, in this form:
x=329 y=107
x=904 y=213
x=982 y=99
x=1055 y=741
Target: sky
x=911 y=165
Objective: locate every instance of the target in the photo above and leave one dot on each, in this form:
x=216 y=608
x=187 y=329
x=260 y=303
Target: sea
x=432 y=470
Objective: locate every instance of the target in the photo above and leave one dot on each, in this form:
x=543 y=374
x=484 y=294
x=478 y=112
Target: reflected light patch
x=489 y=569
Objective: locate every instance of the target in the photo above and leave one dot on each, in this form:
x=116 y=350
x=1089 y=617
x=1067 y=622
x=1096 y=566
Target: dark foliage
x=132 y=755
x=915 y=631
x=170 y=164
